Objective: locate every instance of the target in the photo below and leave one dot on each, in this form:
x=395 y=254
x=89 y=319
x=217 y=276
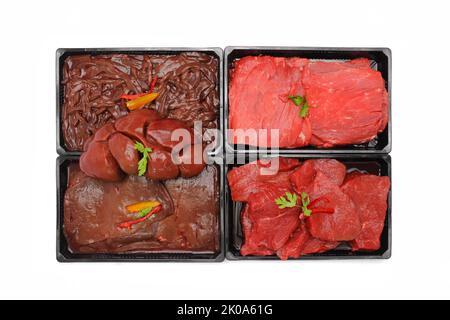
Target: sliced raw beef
x=369 y=193
x=305 y=175
x=301 y=243
x=258 y=99
x=260 y=174
x=259 y=183
x=344 y=223
x=263 y=216
x=348 y=102
x=247 y=249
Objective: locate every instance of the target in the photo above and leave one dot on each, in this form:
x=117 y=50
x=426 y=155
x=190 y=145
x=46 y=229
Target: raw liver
x=188 y=221
x=187 y=83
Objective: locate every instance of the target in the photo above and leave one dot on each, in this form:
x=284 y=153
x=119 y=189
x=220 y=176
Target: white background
x=417 y=33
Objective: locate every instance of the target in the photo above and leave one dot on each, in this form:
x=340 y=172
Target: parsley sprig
x=142 y=164
x=144 y=212
x=301 y=102
x=289 y=200
x=305 y=203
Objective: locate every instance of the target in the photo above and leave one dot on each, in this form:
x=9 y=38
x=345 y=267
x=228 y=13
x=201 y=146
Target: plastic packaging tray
x=63 y=254
x=380 y=60
x=63 y=53
x=373 y=164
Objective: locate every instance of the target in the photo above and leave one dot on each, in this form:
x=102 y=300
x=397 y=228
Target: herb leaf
x=305 y=203
x=289 y=201
x=304 y=110
x=144 y=212
x=301 y=102
x=142 y=164
x=297 y=100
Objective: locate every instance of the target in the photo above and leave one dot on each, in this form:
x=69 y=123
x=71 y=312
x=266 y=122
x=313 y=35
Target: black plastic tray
x=63 y=53
x=63 y=253
x=374 y=164
x=380 y=60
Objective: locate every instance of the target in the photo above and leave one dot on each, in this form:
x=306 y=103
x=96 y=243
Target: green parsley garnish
x=142 y=164
x=304 y=110
x=144 y=212
x=297 y=100
x=289 y=201
x=305 y=203
x=301 y=102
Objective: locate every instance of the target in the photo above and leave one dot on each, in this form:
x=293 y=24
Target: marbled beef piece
x=305 y=175
x=348 y=102
x=369 y=194
x=344 y=223
x=187 y=83
x=302 y=243
x=266 y=227
x=256 y=175
x=270 y=227
x=188 y=221
x=258 y=99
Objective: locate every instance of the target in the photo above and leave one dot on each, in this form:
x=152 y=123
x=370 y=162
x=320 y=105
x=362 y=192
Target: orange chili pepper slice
x=142 y=101
x=136 y=207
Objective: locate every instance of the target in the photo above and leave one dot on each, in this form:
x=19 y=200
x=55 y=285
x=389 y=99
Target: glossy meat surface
x=358 y=201
x=348 y=102
x=258 y=99
x=188 y=221
x=187 y=83
x=369 y=194
x=111 y=153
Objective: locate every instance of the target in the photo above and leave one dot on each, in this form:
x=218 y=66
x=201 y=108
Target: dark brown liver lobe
x=188 y=221
x=188 y=87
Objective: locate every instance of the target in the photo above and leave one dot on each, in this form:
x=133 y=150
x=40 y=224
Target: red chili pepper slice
x=152 y=85
x=129 y=224
x=322 y=210
x=138 y=95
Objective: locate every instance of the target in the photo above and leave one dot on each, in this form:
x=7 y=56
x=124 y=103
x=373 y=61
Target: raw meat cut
x=111 y=153
x=343 y=207
x=331 y=168
x=188 y=87
x=369 y=193
x=263 y=215
x=258 y=99
x=344 y=223
x=261 y=174
x=348 y=102
x=93 y=209
x=302 y=243
x=188 y=221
